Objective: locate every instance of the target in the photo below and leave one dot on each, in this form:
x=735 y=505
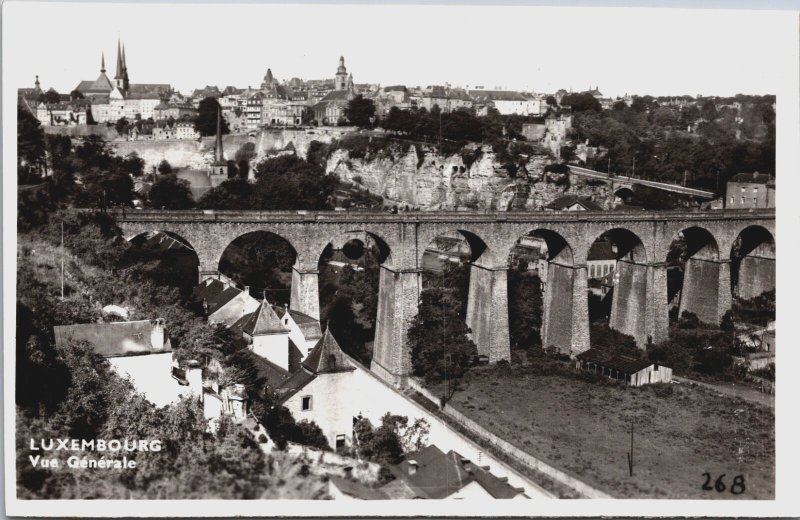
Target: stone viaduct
x=724 y=249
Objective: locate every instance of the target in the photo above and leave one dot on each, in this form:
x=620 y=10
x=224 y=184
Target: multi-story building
x=750 y=190
x=176 y=111
x=508 y=101
x=446 y=98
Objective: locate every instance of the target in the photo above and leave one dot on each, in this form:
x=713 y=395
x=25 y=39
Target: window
x=743 y=189
x=731 y=200
x=755 y=201
x=742 y=200
x=306 y=403
x=340 y=441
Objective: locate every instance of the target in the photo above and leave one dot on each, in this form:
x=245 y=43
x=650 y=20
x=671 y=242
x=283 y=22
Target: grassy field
x=582 y=425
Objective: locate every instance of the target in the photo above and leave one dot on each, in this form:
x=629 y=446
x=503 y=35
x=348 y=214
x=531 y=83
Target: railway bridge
x=727 y=252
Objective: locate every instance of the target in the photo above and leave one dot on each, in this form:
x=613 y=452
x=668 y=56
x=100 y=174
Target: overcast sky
x=638 y=51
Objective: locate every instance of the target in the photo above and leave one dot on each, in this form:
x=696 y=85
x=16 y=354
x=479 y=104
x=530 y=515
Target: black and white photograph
x=348 y=253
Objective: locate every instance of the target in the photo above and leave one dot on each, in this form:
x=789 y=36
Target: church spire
x=118 y=73
x=37 y=82
x=218 y=144
x=124 y=70
x=103 y=63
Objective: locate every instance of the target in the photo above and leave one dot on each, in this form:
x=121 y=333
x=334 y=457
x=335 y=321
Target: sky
x=620 y=50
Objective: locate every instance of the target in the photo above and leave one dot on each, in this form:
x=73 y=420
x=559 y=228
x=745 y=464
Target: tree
x=440 y=348
x=164 y=167
x=581 y=102
x=51 y=97
x=170 y=192
x=551 y=101
x=75 y=95
x=121 y=126
x=308 y=117
x=30 y=141
x=206 y=120
x=360 y=111
x=524 y=308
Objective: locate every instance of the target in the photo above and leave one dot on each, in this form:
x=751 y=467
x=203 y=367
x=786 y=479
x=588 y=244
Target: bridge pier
x=398 y=304
x=706 y=289
x=305 y=292
x=657 y=312
x=487 y=311
x=756 y=275
x=565 y=313
x=630 y=300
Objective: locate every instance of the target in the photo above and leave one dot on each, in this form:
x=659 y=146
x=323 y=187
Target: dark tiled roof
x=337 y=95
x=752 y=178
x=626 y=364
x=395 y=88
x=357 y=490
x=295 y=383
x=439 y=475
x=497 y=95
x=601 y=250
x=274 y=374
x=309 y=326
x=327 y=357
x=215 y=293
x=568 y=200
x=125 y=338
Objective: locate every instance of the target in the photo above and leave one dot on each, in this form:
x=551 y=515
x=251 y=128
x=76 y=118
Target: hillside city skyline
x=541 y=60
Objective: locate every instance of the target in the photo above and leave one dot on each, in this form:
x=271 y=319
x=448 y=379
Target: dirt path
x=732 y=389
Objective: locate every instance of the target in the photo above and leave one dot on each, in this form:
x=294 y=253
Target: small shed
x=632 y=371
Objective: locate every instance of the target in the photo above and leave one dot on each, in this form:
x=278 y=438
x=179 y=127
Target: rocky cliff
x=426 y=180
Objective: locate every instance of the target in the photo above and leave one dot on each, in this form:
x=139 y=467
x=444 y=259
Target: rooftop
x=123 y=338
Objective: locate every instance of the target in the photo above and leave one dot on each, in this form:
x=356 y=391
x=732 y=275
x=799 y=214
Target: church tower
x=125 y=81
x=119 y=77
x=340 y=83
x=219 y=168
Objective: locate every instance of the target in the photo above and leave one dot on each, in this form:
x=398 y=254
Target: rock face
x=198 y=154
x=426 y=180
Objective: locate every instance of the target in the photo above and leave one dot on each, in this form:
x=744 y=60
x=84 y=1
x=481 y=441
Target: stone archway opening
x=446 y=263
x=694 y=272
x=540 y=293
x=624 y=195
x=616 y=267
x=753 y=263
x=175 y=261
x=349 y=286
x=260 y=262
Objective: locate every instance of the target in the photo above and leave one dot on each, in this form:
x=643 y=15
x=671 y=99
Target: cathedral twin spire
x=121 y=75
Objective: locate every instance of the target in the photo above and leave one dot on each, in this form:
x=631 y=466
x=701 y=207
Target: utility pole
x=630 y=453
x=633 y=171
x=62 y=260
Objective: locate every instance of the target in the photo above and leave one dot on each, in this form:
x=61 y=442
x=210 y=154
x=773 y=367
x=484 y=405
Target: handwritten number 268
x=737 y=488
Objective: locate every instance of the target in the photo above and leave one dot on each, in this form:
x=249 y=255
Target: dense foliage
x=282 y=183
x=206 y=120
x=438 y=337
x=653 y=140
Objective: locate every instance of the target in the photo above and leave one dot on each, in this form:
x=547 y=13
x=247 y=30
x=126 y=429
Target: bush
x=688 y=320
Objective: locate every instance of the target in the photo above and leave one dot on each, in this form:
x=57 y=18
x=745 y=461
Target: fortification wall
x=106 y=132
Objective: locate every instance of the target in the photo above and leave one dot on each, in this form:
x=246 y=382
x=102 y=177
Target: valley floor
x=582 y=426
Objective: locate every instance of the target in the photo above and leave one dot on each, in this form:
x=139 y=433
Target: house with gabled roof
x=432 y=474
x=221 y=301
x=320 y=391
x=267 y=335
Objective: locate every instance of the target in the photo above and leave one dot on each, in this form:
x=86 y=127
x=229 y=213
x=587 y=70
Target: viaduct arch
x=719 y=242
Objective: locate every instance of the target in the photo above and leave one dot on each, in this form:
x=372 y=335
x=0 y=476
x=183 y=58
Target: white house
x=268 y=337
x=323 y=391
x=222 y=301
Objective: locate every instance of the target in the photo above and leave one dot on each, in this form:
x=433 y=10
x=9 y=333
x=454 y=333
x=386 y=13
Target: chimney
x=194 y=375
x=412 y=467
x=157 y=334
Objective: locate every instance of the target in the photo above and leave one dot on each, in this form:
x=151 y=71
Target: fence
x=509 y=449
